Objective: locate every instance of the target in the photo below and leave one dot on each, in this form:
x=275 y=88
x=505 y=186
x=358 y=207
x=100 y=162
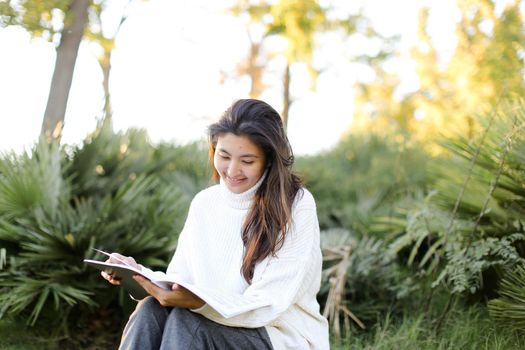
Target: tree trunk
x=286 y=95
x=74 y=24
x=105 y=65
x=255 y=71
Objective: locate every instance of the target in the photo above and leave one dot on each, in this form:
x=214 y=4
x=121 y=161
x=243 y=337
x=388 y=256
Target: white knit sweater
x=282 y=295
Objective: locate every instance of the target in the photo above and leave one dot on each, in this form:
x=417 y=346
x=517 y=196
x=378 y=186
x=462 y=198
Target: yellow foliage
x=485 y=68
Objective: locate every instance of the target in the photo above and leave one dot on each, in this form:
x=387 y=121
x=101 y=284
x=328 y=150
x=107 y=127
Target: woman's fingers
x=117 y=258
x=164 y=297
x=146 y=284
x=110 y=278
x=178 y=296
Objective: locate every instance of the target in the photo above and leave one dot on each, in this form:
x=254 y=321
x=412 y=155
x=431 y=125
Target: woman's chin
x=236 y=186
x=236 y=189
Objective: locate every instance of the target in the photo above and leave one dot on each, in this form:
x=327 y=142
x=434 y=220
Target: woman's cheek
x=216 y=164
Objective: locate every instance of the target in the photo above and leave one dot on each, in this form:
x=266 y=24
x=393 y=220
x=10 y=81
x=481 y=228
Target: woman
x=249 y=251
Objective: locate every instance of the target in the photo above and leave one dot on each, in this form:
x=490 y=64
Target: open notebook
x=227 y=305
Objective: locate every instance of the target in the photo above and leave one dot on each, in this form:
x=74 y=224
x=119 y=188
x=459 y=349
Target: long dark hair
x=269 y=216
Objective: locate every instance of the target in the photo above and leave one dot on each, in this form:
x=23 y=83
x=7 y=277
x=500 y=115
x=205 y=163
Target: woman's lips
x=235 y=181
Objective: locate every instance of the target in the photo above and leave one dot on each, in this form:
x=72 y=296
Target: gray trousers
x=152 y=326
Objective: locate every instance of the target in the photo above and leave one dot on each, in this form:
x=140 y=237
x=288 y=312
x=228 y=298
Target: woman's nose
x=233 y=169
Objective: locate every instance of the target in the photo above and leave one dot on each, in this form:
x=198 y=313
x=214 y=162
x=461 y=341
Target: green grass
x=102 y=332
x=15 y=336
x=466 y=329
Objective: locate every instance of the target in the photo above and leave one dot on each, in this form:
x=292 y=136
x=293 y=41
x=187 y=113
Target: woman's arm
x=178 y=296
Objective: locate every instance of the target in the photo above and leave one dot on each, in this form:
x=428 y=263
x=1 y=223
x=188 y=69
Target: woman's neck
x=240 y=200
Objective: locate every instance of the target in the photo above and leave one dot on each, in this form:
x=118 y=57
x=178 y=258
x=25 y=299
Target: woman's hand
x=117 y=258
x=178 y=296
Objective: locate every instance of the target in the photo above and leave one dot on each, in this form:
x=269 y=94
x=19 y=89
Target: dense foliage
x=365 y=182
x=422 y=205
x=456 y=223
x=116 y=192
x=396 y=221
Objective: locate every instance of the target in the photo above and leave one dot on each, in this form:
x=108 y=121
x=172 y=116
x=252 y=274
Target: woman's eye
x=247 y=162
x=224 y=157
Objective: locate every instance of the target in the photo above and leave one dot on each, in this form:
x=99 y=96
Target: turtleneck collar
x=240 y=200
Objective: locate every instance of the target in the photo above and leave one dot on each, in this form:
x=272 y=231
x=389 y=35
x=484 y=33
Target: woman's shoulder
x=304 y=199
x=205 y=195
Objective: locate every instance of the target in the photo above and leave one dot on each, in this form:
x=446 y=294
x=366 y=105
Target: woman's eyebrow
x=248 y=155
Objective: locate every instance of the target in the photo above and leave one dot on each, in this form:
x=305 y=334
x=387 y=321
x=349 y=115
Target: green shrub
x=509 y=309
x=361 y=280
x=482 y=184
x=470 y=228
x=365 y=182
x=116 y=192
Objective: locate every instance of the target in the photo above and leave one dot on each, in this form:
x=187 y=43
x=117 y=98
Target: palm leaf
x=509 y=309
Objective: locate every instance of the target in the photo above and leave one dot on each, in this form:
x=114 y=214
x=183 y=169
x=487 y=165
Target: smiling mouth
x=235 y=181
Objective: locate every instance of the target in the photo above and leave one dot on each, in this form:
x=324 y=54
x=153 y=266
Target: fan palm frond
x=509 y=309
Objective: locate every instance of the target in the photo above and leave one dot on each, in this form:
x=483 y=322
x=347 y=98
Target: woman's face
x=239 y=162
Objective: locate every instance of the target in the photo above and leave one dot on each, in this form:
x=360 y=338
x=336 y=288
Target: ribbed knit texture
x=282 y=296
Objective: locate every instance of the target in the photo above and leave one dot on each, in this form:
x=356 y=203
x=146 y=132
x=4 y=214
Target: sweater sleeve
x=276 y=285
x=179 y=264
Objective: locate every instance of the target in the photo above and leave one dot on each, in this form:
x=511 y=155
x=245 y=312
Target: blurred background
x=407 y=119
x=176 y=65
